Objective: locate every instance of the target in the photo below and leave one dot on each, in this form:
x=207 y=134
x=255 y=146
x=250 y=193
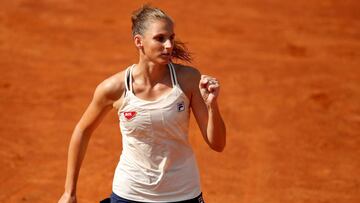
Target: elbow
x=79 y=130
x=218 y=147
x=216 y=140
x=82 y=132
x=219 y=144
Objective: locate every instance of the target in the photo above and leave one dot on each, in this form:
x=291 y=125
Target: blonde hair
x=140 y=19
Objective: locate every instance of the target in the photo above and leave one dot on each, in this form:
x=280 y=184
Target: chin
x=163 y=61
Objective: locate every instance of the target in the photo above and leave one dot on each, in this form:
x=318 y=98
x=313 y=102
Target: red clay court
x=290 y=95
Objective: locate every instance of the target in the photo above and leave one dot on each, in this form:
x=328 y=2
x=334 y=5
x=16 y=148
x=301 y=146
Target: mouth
x=165 y=54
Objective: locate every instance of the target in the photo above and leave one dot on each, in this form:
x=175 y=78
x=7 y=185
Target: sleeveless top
x=157 y=163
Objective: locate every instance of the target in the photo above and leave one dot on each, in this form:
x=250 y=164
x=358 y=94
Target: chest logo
x=129 y=114
x=180 y=106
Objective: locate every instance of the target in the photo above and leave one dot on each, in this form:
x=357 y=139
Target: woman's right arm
x=105 y=95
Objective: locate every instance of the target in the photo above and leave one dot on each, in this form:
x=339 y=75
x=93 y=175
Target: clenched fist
x=209 y=89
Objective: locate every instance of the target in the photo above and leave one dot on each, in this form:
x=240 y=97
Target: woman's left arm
x=206 y=111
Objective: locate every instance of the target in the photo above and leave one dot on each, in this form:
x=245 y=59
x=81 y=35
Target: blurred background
x=290 y=95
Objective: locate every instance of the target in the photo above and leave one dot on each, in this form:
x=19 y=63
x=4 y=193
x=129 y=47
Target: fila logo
x=129 y=114
x=180 y=106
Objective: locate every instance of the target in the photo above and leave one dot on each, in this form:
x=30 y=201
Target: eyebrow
x=162 y=34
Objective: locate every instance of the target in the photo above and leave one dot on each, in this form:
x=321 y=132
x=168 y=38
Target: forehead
x=161 y=26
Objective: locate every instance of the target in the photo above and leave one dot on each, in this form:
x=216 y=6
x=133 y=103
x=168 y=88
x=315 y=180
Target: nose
x=168 y=44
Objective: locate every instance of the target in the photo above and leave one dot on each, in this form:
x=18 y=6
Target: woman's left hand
x=209 y=89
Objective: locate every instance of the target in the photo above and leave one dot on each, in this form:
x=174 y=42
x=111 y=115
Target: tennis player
x=153 y=99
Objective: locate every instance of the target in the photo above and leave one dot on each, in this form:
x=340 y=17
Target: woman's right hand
x=67 y=198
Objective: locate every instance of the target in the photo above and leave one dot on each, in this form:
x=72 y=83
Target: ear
x=138 y=41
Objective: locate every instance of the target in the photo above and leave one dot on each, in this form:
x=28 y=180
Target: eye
x=160 y=38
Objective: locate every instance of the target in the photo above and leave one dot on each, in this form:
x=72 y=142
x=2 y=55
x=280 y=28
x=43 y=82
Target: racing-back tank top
x=157 y=163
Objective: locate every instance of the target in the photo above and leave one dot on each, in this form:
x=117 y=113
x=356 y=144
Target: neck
x=150 y=73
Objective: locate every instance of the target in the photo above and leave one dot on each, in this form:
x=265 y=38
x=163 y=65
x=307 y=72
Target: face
x=158 y=41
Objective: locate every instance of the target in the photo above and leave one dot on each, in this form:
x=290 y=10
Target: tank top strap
x=131 y=78
x=128 y=79
x=173 y=74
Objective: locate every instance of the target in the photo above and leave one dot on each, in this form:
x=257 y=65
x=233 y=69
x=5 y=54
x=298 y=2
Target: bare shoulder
x=186 y=71
x=111 y=88
x=188 y=78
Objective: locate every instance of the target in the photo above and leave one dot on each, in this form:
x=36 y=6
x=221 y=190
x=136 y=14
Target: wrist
x=211 y=106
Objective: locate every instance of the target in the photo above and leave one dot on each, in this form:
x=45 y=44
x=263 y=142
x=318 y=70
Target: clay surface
x=290 y=95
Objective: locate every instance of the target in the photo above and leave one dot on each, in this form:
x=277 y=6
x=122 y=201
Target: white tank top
x=157 y=163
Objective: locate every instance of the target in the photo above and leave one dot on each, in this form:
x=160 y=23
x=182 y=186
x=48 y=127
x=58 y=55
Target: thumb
x=203 y=82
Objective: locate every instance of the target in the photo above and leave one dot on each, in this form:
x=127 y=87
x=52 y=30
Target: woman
x=153 y=100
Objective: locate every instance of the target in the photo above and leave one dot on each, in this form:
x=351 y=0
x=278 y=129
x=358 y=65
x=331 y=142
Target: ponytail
x=181 y=52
